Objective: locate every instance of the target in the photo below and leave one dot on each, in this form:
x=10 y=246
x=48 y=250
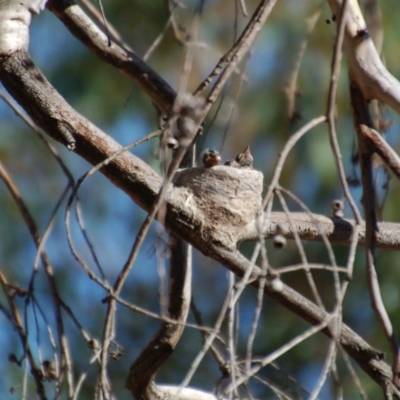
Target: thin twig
x=213 y=349
x=284 y=153
x=232 y=58
x=302 y=253
x=210 y=339
x=299 y=267
x=65 y=356
x=329 y=361
x=291 y=89
x=277 y=353
x=18 y=325
x=257 y=312
x=336 y=62
x=233 y=104
x=232 y=322
x=353 y=374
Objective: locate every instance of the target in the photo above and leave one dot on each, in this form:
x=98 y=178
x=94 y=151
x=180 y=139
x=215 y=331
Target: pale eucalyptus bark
x=366 y=67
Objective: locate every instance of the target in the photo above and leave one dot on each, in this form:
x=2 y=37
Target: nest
x=226 y=199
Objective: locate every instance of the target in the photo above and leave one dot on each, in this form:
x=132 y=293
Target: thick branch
x=378 y=144
x=83 y=28
x=15 y=18
x=50 y=111
x=143 y=370
x=366 y=67
x=314 y=226
x=363 y=120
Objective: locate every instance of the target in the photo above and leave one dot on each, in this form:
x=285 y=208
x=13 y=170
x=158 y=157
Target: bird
x=243 y=160
x=211 y=158
x=49 y=369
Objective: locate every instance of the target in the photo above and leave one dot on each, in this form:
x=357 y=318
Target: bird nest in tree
x=226 y=199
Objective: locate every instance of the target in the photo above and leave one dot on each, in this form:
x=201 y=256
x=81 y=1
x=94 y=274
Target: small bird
x=243 y=160
x=211 y=158
x=49 y=369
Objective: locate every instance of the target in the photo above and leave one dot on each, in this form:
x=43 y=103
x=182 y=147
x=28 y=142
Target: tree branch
x=141 y=376
x=50 y=111
x=378 y=144
x=83 y=28
x=315 y=226
x=366 y=67
x=363 y=120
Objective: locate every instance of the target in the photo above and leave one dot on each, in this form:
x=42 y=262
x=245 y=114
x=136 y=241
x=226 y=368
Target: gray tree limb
x=365 y=65
x=51 y=112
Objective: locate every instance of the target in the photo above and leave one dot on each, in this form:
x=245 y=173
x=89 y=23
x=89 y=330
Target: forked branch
x=50 y=111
